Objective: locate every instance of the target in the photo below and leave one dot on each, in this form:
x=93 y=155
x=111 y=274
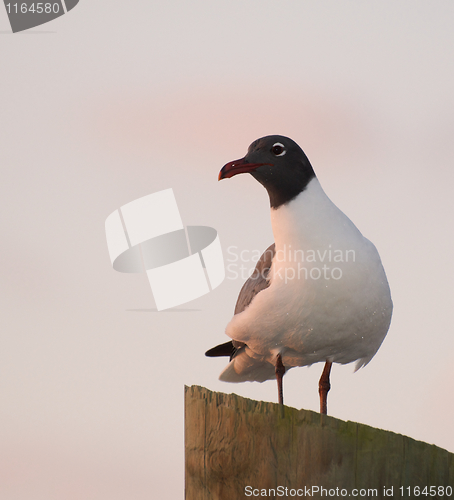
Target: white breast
x=328 y=297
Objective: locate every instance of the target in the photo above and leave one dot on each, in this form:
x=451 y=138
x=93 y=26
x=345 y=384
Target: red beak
x=238 y=167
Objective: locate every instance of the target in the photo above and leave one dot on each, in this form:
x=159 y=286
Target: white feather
x=341 y=317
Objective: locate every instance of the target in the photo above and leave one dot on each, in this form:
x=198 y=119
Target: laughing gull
x=318 y=294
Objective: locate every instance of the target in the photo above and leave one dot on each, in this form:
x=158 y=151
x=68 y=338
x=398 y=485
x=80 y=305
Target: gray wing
x=257 y=282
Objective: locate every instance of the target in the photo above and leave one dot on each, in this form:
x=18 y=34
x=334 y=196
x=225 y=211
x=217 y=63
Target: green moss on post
x=233 y=442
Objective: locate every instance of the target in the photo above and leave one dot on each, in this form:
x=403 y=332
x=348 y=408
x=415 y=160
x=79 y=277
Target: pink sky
x=118 y=102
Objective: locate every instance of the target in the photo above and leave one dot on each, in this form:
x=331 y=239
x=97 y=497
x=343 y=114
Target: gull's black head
x=278 y=163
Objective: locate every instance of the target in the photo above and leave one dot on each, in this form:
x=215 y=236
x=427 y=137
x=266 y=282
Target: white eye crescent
x=278 y=149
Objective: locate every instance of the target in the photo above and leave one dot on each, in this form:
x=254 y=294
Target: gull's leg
x=323 y=387
x=280 y=370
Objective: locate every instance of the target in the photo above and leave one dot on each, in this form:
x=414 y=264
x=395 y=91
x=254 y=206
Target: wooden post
x=235 y=446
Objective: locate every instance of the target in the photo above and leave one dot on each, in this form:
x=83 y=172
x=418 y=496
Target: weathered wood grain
x=233 y=442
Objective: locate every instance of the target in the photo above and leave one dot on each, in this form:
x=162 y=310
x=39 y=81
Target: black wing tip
x=226 y=349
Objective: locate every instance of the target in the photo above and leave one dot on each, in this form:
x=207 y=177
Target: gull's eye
x=278 y=149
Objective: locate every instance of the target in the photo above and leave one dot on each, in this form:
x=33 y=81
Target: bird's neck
x=285 y=185
x=306 y=220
